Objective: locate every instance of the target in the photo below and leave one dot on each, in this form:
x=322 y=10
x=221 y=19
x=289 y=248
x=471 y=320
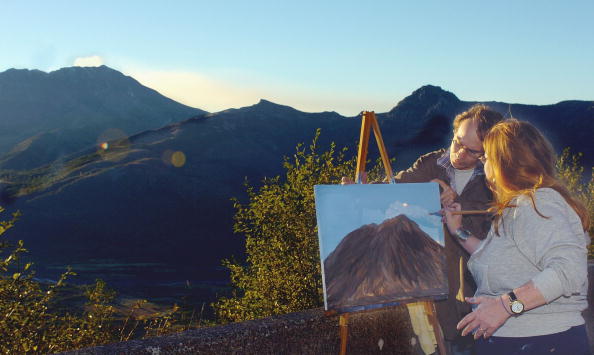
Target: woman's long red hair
x=522 y=160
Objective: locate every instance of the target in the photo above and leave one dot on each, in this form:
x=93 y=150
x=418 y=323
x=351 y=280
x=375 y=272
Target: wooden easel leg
x=432 y=315
x=343 y=322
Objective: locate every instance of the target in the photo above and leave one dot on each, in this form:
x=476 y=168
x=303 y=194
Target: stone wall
x=309 y=332
x=385 y=331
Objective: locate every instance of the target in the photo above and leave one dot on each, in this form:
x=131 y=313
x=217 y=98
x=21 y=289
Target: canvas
x=380 y=244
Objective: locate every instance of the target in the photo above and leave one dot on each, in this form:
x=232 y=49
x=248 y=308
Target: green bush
x=31 y=323
x=27 y=325
x=571 y=172
x=282 y=271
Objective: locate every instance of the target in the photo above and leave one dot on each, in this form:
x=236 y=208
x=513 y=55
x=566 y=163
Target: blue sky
x=343 y=56
x=342 y=209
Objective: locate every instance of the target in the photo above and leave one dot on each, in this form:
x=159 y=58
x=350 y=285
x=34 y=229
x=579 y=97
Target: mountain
x=45 y=116
x=129 y=202
x=374 y=264
x=565 y=124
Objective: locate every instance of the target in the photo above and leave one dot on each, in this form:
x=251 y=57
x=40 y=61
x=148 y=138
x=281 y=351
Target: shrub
x=282 y=271
x=29 y=322
x=571 y=173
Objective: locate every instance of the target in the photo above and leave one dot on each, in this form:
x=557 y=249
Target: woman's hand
x=453 y=221
x=486 y=318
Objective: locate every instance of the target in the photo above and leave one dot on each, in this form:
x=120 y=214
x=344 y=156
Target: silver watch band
x=463 y=234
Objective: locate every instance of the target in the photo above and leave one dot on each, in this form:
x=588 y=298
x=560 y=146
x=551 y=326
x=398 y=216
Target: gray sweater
x=551 y=252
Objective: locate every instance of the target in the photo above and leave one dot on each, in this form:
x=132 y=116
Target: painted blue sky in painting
x=342 y=209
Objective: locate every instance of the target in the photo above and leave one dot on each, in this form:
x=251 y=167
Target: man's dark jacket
x=475 y=196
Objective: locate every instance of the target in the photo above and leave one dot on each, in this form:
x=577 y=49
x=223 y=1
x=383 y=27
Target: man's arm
x=423 y=170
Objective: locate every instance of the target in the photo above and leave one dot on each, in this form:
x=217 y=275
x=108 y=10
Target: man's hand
x=448 y=195
x=348 y=181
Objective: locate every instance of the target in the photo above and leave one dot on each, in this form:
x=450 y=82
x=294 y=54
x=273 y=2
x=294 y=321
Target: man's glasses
x=478 y=154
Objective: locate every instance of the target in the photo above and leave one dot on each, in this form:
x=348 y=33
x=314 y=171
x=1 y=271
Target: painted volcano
x=376 y=264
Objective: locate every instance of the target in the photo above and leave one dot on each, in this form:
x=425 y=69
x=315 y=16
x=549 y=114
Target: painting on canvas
x=380 y=244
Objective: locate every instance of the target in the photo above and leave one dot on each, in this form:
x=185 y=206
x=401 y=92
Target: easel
x=369 y=122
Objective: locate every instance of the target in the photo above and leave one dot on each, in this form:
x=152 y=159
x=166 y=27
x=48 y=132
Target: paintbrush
x=463 y=213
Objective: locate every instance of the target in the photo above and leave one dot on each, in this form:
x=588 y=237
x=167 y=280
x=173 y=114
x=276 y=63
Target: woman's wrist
x=504 y=302
x=462 y=234
x=453 y=228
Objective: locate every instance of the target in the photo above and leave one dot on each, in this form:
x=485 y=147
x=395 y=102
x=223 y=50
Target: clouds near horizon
x=91 y=61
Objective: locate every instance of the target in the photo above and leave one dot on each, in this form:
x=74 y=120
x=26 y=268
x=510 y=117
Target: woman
x=531 y=270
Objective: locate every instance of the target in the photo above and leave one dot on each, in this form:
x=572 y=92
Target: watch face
x=517 y=307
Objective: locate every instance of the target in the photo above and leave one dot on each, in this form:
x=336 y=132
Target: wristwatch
x=462 y=234
x=515 y=305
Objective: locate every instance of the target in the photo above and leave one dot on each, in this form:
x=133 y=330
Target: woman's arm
x=492 y=312
x=554 y=243
x=454 y=222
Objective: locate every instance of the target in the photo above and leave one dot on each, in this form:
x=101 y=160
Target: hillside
x=45 y=116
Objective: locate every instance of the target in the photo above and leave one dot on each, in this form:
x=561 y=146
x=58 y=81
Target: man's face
x=466 y=147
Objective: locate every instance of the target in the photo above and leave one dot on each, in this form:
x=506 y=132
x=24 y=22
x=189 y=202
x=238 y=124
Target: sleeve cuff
x=549 y=284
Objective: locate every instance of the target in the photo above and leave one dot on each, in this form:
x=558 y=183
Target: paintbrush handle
x=469 y=212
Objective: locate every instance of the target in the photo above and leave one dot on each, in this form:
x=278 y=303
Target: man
x=460 y=175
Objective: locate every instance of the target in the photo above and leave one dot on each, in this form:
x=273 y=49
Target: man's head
x=470 y=128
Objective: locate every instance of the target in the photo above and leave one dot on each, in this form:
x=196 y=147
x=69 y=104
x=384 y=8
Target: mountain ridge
x=71 y=107
x=130 y=201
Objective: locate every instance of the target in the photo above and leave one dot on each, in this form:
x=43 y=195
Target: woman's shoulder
x=548 y=203
x=550 y=207
x=544 y=196
x=545 y=200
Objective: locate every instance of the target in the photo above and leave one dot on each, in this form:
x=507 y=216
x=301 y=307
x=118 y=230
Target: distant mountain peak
x=424 y=103
x=429 y=88
x=77 y=68
x=73 y=106
x=92 y=73
x=428 y=95
x=18 y=73
x=264 y=102
x=101 y=68
x=268 y=106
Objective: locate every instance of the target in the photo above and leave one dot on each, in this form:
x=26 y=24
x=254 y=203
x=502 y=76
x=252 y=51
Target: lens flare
x=166 y=156
x=113 y=144
x=178 y=159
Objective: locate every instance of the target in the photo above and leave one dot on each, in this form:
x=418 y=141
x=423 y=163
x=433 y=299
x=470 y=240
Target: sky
x=343 y=56
x=342 y=209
